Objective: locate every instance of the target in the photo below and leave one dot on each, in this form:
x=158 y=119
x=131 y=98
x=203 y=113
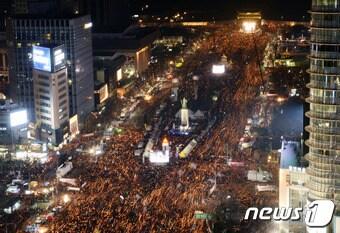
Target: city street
x=120 y=193
x=174 y=153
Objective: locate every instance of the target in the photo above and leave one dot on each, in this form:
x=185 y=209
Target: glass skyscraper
x=324 y=100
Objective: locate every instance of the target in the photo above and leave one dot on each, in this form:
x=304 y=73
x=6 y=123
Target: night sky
x=274 y=9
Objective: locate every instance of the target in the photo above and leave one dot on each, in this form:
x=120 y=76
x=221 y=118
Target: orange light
x=165 y=141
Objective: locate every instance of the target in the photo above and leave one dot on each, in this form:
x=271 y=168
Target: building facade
x=75 y=34
x=4 y=80
x=13 y=123
x=51 y=94
x=292 y=185
x=324 y=101
x=293 y=193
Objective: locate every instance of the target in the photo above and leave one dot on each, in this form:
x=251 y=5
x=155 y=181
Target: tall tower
x=324 y=100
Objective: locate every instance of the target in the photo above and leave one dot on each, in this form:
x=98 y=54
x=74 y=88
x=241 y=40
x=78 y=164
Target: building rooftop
x=133 y=39
x=250 y=14
x=109 y=61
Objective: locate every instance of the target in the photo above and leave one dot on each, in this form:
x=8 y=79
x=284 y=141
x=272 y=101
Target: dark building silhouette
x=5 y=8
x=107 y=15
x=45 y=7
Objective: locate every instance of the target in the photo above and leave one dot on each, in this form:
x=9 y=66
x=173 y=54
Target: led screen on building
x=103 y=94
x=18 y=118
x=74 y=127
x=42 y=58
x=58 y=58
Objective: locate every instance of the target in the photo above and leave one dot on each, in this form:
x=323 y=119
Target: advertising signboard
x=49 y=58
x=59 y=58
x=42 y=58
x=18 y=118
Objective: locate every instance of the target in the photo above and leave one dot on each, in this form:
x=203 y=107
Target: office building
x=75 y=34
x=134 y=43
x=13 y=123
x=292 y=185
x=51 y=93
x=4 y=80
x=324 y=101
x=293 y=193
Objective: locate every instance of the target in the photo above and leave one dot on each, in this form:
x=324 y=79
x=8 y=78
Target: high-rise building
x=75 y=34
x=292 y=185
x=13 y=123
x=324 y=100
x=4 y=81
x=51 y=93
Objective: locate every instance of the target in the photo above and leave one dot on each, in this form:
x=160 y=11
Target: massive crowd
x=120 y=194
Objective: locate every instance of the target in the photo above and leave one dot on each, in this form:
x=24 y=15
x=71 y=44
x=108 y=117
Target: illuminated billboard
x=103 y=94
x=74 y=127
x=49 y=58
x=42 y=58
x=18 y=118
x=119 y=74
x=59 y=58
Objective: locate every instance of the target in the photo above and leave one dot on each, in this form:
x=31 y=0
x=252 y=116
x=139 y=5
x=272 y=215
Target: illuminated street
x=118 y=192
x=160 y=123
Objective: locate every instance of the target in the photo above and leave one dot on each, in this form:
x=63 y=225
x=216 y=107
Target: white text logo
x=317 y=214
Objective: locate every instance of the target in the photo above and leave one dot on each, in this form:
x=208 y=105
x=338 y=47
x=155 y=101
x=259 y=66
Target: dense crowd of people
x=120 y=194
